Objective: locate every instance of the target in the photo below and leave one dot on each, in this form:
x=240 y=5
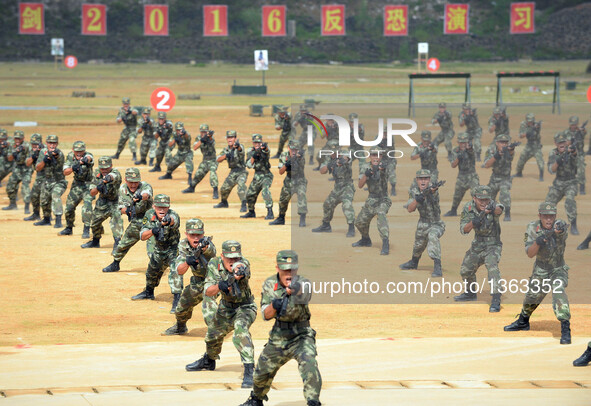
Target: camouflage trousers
x=51 y=197
x=284 y=345
x=227 y=319
x=261 y=183
x=427 y=236
x=159 y=261
x=503 y=185
x=291 y=187
x=129 y=239
x=235 y=177
x=374 y=206
x=178 y=159
x=341 y=194
x=5 y=168
x=567 y=189
x=130 y=134
x=530 y=151
x=464 y=182
x=153 y=148
x=21 y=175
x=145 y=146
x=487 y=253
x=103 y=209
x=445 y=137
x=202 y=169
x=79 y=193
x=36 y=193
x=282 y=140
x=538 y=289
x=475 y=136
x=193 y=295
x=581 y=165
x=162 y=151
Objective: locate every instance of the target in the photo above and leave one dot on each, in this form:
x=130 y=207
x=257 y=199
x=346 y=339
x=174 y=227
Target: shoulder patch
x=276 y=286
x=525 y=238
x=144 y=221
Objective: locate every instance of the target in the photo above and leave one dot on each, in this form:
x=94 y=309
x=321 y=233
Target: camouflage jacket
x=261 y=164
x=500 y=123
x=501 y=168
x=83 y=175
x=217 y=272
x=429 y=209
x=301 y=120
x=235 y=157
x=550 y=255
x=129 y=119
x=164 y=131
x=332 y=132
x=579 y=136
x=112 y=193
x=141 y=207
x=532 y=133
x=469 y=120
x=54 y=172
x=207 y=148
x=444 y=120
x=171 y=232
x=342 y=173
x=467 y=163
x=298 y=164
x=490 y=228
x=34 y=155
x=565 y=171
x=20 y=153
x=378 y=185
x=297 y=306
x=284 y=123
x=428 y=157
x=185 y=250
x=150 y=127
x=183 y=142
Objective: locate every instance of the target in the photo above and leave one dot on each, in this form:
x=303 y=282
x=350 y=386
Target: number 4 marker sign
x=433 y=64
x=162 y=99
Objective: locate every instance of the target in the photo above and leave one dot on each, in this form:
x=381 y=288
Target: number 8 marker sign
x=162 y=99
x=70 y=61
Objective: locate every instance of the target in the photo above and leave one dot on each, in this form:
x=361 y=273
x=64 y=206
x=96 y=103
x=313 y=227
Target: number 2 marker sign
x=162 y=99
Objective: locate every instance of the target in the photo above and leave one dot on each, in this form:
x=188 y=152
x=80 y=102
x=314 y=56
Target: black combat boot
x=179 y=328
x=134 y=156
x=393 y=192
x=33 y=217
x=314 y=403
x=507 y=214
x=468 y=296
x=11 y=205
x=94 y=243
x=86 y=232
x=140 y=162
x=317 y=168
x=151 y=162
x=58 y=221
x=27 y=211
x=324 y=228
x=452 y=213
x=581 y=192
x=216 y=194
x=541 y=178
x=249 y=214
x=203 y=364
x=436 y=268
x=253 y=401
x=495 y=303
x=302 y=220
x=189 y=179
x=412 y=264
x=385 y=247
x=112 y=267
x=522 y=323
x=311 y=160
x=66 y=231
x=221 y=205
x=175 y=301
x=247 y=380
x=279 y=221
x=584 y=359
x=147 y=293
x=116 y=156
x=115 y=245
x=45 y=222
x=270 y=215
x=156 y=168
x=167 y=175
x=364 y=242
x=276 y=156
x=190 y=189
x=585 y=244
x=518 y=175
x=242 y=207
x=573 y=228
x=564 y=332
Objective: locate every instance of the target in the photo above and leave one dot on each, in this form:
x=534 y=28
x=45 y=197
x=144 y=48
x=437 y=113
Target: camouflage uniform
x=262 y=179
x=428 y=155
x=342 y=192
x=148 y=128
x=164 y=132
x=129 y=132
x=377 y=204
x=533 y=148
x=578 y=137
x=295 y=182
x=5 y=164
x=55 y=182
x=21 y=173
x=238 y=173
x=388 y=161
x=79 y=191
x=447 y=129
x=286 y=128
x=106 y=204
x=467 y=176
x=208 y=164
x=565 y=184
x=184 y=152
x=301 y=120
x=473 y=129
x=500 y=178
x=38 y=184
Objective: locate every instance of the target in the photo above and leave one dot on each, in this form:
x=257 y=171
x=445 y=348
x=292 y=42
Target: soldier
x=355 y=126
x=585 y=244
x=427 y=152
x=498 y=122
x=469 y=119
x=128 y=117
x=229 y=275
x=147 y=127
x=55 y=183
x=584 y=359
x=162 y=134
x=80 y=163
x=499 y=157
x=163 y=224
x=135 y=199
x=430 y=228
x=332 y=138
x=36 y=147
x=377 y=204
x=575 y=135
x=301 y=120
x=105 y=184
x=182 y=139
x=443 y=118
x=282 y=123
x=531 y=130
x=464 y=159
x=209 y=163
x=234 y=154
x=482 y=215
x=339 y=166
x=284 y=299
x=563 y=162
x=257 y=158
x=545 y=239
x=195 y=252
x=292 y=163
x=5 y=164
x=21 y=173
x=389 y=161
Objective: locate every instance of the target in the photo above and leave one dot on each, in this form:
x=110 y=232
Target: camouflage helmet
x=18 y=134
x=503 y=138
x=530 y=118
x=442 y=105
x=231 y=249
x=497 y=110
x=3 y=133
x=162 y=115
x=423 y=173
x=465 y=106
x=547 y=208
x=353 y=116
x=105 y=162
x=79 y=146
x=333 y=143
x=162 y=200
x=294 y=144
x=133 y=175
x=204 y=127
x=559 y=137
x=36 y=139
x=287 y=259
x=426 y=135
x=573 y=120
x=482 y=192
x=52 y=138
x=375 y=152
x=195 y=226
x=303 y=107
x=230 y=134
x=463 y=137
x=257 y=138
x=179 y=125
x=126 y=100
x=147 y=110
x=284 y=109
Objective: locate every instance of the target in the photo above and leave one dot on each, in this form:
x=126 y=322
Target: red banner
x=333 y=20
x=94 y=19
x=31 y=18
x=456 y=19
x=156 y=20
x=522 y=18
x=395 y=20
x=215 y=21
x=274 y=21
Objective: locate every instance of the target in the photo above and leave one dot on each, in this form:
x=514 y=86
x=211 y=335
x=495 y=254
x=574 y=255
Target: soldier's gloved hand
x=156 y=231
x=368 y=173
x=224 y=287
x=278 y=303
x=191 y=261
x=102 y=187
x=108 y=178
x=288 y=165
x=86 y=160
x=265 y=146
x=419 y=198
x=541 y=240
x=76 y=167
x=295 y=286
x=560 y=226
x=497 y=156
x=128 y=212
x=46 y=159
x=203 y=242
x=476 y=222
x=204 y=140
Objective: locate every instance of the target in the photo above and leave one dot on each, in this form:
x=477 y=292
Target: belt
x=428 y=220
x=197 y=279
x=487 y=239
x=235 y=305
x=287 y=325
x=547 y=266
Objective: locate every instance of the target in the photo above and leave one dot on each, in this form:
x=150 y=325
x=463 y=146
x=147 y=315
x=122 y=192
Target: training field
x=70 y=335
